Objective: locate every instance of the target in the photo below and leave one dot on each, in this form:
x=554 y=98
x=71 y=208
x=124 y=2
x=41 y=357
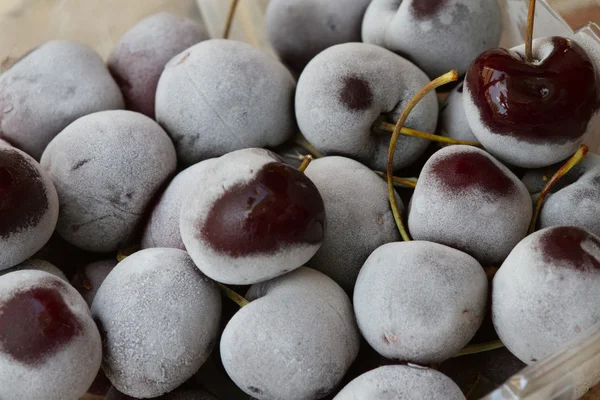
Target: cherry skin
x=279 y=206
x=23 y=198
x=546 y=104
x=34 y=323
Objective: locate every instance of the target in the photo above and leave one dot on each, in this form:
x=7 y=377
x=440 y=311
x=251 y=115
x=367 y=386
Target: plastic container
x=99 y=24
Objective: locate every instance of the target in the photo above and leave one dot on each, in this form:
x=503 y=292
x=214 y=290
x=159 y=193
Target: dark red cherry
x=551 y=100
x=570 y=245
x=36 y=322
x=461 y=171
x=279 y=207
x=23 y=198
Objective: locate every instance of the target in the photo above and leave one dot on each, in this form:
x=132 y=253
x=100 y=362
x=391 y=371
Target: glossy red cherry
x=280 y=206
x=532 y=114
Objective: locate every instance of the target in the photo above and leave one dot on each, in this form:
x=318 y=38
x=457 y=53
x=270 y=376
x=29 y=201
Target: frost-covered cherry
x=223 y=95
x=298 y=30
x=106 y=168
x=159 y=318
x=141 y=54
x=294 y=341
x=50 y=347
x=359 y=218
x=346 y=91
x=420 y=302
x=401 y=382
x=250 y=217
x=50 y=87
x=546 y=291
x=468 y=200
x=28 y=207
x=437 y=35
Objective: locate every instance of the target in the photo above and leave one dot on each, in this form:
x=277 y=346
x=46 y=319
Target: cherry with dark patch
x=23 y=198
x=461 y=171
x=35 y=323
x=424 y=9
x=356 y=93
x=549 y=101
x=570 y=245
x=280 y=206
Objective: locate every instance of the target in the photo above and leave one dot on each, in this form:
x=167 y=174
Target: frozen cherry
x=419 y=301
x=346 y=91
x=142 y=53
x=250 y=217
x=159 y=318
x=401 y=382
x=220 y=96
x=298 y=30
x=50 y=87
x=468 y=200
x=47 y=338
x=437 y=35
x=533 y=114
x=359 y=218
x=546 y=291
x=294 y=341
x=28 y=207
x=106 y=167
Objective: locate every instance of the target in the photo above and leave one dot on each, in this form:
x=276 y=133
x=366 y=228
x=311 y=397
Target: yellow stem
x=442 y=80
x=424 y=135
x=409 y=183
x=305 y=161
x=571 y=162
x=301 y=141
x=124 y=253
x=233 y=296
x=529 y=37
x=230 y=14
x=480 y=348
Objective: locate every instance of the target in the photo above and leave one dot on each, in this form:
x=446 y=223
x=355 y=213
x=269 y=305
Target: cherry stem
x=124 y=253
x=233 y=296
x=571 y=162
x=230 y=14
x=470 y=392
x=451 y=76
x=307 y=159
x=409 y=183
x=424 y=135
x=301 y=141
x=529 y=37
x=480 y=348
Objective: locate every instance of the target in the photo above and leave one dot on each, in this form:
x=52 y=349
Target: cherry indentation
x=463 y=170
x=356 y=93
x=551 y=101
x=571 y=246
x=280 y=206
x=35 y=323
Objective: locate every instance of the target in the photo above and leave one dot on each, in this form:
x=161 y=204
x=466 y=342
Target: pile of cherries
x=135 y=193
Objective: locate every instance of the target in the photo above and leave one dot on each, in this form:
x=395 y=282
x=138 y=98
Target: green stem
x=442 y=80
